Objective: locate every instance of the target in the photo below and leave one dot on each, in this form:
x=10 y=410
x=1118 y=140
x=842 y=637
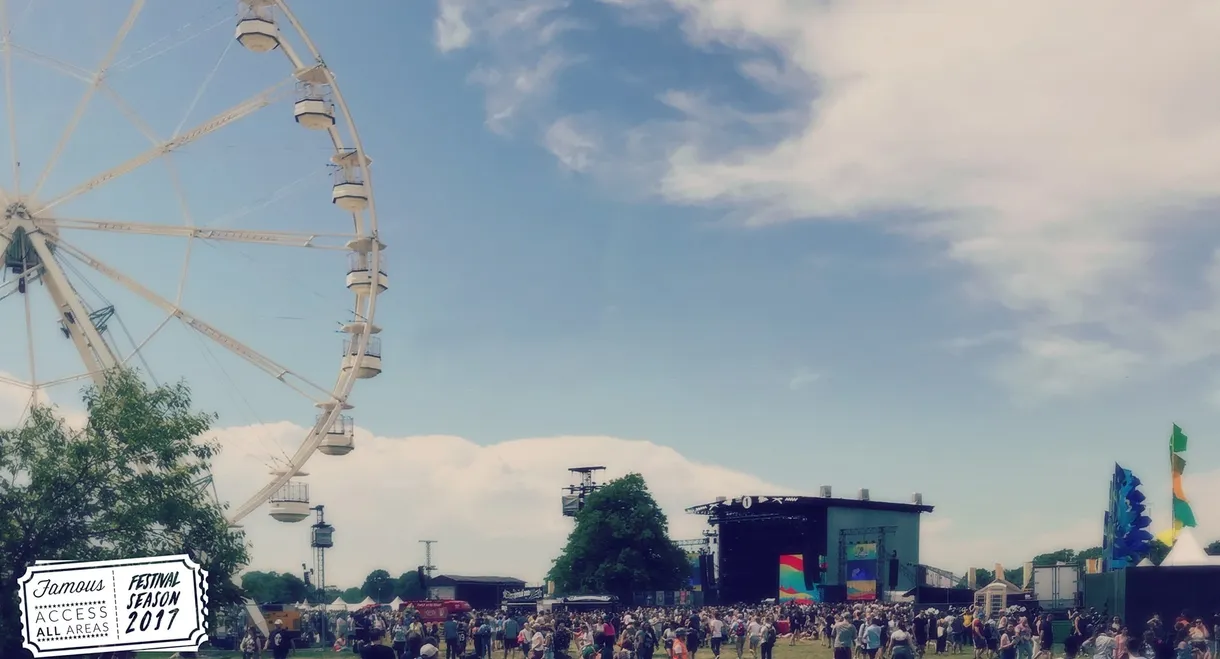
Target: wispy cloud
x=521 y=54
x=1055 y=197
x=802 y=378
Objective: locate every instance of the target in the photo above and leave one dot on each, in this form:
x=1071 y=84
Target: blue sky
x=781 y=240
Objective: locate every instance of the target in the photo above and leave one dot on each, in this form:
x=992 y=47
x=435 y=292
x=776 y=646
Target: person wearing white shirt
x=716 y=627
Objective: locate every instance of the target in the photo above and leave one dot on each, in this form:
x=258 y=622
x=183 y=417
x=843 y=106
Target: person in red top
x=679 y=648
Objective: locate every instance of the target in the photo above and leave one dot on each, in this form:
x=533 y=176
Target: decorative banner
x=1181 y=512
x=156 y=603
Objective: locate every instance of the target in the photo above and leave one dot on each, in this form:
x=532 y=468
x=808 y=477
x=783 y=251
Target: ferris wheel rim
x=347 y=379
x=42 y=236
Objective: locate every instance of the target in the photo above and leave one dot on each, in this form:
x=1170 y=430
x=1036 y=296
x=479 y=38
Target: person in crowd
x=280 y=641
x=715 y=633
x=451 y=636
x=844 y=638
x=872 y=638
x=754 y=632
x=679 y=650
x=252 y=644
x=376 y=648
x=900 y=645
x=509 y=632
x=398 y=634
x=769 y=637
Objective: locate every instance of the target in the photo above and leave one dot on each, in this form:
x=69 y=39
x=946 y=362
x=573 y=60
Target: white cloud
x=1043 y=152
x=452 y=32
x=1052 y=153
x=495 y=509
x=572 y=146
x=803 y=377
x=521 y=56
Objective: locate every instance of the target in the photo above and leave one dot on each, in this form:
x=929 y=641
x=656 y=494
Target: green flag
x=1177 y=442
x=1182 y=514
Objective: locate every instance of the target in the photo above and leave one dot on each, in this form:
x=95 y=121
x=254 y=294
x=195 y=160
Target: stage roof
x=459 y=580
x=766 y=504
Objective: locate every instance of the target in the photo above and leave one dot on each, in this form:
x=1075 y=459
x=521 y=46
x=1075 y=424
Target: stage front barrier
x=691 y=598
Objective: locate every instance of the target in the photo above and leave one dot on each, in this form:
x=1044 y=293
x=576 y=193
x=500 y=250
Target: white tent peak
x=1187 y=551
x=1145 y=563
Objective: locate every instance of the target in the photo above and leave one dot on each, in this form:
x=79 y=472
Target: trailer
x=1057 y=587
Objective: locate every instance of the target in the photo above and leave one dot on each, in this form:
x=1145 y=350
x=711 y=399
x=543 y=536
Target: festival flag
x=1183 y=516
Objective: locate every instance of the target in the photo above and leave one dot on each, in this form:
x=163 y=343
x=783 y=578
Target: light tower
x=321 y=538
x=428 y=566
x=574 y=500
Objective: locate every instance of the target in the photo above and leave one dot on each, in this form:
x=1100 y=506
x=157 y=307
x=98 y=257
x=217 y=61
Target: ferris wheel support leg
x=94 y=351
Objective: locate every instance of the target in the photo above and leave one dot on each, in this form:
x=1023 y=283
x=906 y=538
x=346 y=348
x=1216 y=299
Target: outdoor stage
x=826 y=548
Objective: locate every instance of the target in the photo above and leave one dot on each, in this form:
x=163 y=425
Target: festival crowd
x=850 y=630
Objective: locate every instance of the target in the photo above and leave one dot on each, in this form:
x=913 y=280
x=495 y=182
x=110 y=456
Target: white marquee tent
x=337 y=605
x=1187 y=551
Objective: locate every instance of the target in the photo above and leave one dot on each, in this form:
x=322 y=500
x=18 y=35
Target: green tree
x=620 y=544
x=353 y=595
x=379 y=585
x=1090 y=553
x=1157 y=551
x=408 y=587
x=263 y=587
x=1051 y=558
x=128 y=484
x=326 y=596
x=1213 y=549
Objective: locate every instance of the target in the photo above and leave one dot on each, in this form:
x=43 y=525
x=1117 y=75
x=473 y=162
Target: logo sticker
x=156 y=603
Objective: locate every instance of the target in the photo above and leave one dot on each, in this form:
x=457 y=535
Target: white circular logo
x=746 y=502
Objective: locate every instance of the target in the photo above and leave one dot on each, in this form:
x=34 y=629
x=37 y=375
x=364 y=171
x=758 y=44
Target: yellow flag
x=1168 y=536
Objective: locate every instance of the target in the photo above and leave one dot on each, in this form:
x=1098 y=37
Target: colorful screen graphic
x=696 y=573
x=792 y=580
x=861 y=571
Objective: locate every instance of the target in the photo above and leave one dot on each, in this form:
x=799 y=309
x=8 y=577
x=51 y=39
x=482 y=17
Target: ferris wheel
x=47 y=234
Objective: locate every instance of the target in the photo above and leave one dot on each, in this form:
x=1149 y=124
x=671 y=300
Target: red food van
x=436 y=610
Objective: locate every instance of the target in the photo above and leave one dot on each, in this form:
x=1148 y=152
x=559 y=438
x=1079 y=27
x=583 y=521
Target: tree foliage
x=127 y=484
x=1213 y=549
x=275 y=588
x=408 y=587
x=1157 y=551
x=379 y=585
x=620 y=545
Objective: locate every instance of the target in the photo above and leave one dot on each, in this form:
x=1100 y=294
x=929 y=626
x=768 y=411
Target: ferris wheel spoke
x=95 y=81
x=59 y=65
x=14 y=382
x=255 y=103
x=329 y=241
x=74 y=315
x=7 y=53
x=298 y=460
x=293 y=380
